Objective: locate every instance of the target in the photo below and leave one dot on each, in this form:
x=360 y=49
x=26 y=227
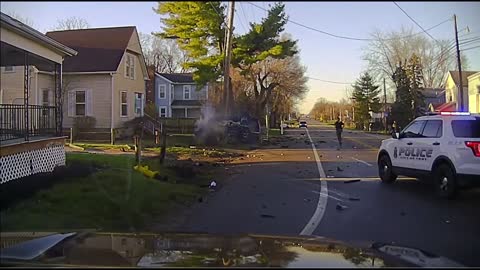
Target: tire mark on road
x=323 y=197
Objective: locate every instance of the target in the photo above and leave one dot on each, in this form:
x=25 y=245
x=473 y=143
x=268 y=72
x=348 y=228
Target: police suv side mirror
x=395 y=135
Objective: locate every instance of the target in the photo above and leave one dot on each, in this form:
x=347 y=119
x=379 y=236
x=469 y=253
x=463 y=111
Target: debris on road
x=267 y=216
x=354 y=199
x=341 y=207
x=307 y=200
x=339 y=169
x=351 y=181
x=213 y=184
x=322 y=142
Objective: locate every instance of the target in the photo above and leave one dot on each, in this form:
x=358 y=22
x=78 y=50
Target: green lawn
x=116 y=197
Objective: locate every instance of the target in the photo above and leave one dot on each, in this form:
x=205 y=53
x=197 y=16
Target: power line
x=470 y=41
x=316 y=79
x=218 y=13
x=470 y=48
x=240 y=20
x=244 y=15
x=353 y=38
x=413 y=20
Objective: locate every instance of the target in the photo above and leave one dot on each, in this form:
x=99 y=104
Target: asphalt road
x=281 y=191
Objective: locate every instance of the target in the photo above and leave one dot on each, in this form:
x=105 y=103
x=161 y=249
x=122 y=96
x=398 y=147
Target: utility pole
x=384 y=105
x=228 y=55
x=460 y=105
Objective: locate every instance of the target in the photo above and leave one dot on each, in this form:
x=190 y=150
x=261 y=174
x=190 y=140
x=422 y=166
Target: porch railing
x=15 y=125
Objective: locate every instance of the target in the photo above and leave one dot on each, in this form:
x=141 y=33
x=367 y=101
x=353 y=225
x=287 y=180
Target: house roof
x=29 y=32
x=99 y=49
x=456 y=77
x=445 y=107
x=178 y=77
x=473 y=75
x=186 y=103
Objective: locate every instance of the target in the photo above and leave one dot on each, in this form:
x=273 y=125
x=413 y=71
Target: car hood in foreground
x=203 y=250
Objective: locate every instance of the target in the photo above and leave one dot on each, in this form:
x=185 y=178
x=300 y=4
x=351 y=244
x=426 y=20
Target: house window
x=8 y=69
x=162 y=111
x=123 y=103
x=172 y=91
x=130 y=67
x=80 y=103
x=45 y=97
x=162 y=91
x=186 y=92
x=138 y=104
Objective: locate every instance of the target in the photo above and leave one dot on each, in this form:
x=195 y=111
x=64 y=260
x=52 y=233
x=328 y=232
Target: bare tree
x=71 y=23
x=391 y=48
x=278 y=83
x=164 y=54
x=20 y=18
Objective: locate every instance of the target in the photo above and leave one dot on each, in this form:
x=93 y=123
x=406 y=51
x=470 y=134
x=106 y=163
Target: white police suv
x=442 y=147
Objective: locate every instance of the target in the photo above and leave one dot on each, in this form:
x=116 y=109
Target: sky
x=325 y=57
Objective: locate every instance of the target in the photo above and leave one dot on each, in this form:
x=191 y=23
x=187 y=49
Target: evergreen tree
x=415 y=76
x=199 y=30
x=402 y=108
x=365 y=93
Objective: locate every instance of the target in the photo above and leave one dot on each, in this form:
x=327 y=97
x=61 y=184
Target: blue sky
x=325 y=57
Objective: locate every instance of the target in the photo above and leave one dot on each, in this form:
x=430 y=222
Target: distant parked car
x=302 y=124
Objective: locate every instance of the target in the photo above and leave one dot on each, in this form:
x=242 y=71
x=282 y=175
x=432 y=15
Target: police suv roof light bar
x=454 y=113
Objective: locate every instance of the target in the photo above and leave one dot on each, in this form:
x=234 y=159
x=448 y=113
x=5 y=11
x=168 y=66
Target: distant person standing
x=394 y=127
x=339 y=128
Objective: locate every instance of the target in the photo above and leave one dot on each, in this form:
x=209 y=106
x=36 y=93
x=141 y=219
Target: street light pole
x=460 y=105
x=228 y=55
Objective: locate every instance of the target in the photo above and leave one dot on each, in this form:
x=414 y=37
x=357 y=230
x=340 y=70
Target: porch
x=186 y=109
x=31 y=138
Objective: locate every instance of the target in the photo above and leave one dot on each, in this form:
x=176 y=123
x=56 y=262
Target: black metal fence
x=18 y=121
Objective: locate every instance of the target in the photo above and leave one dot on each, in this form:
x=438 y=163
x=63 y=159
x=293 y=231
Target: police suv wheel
x=444 y=181
x=385 y=169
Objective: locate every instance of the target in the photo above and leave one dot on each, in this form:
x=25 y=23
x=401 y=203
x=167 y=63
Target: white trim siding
x=185 y=88
x=160 y=88
x=122 y=103
x=162 y=114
